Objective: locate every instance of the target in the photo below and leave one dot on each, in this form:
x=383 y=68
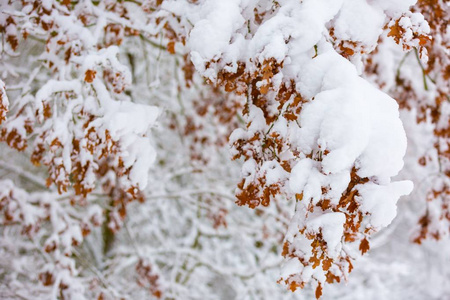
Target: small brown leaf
x=364 y=246
x=285 y=249
x=326 y=264
x=293 y=286
x=423 y=40
x=171 y=47
x=319 y=291
x=396 y=31
x=90 y=76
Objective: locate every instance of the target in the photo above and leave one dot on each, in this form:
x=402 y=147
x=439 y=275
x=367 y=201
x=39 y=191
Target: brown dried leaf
x=171 y=47
x=90 y=76
x=364 y=246
x=319 y=291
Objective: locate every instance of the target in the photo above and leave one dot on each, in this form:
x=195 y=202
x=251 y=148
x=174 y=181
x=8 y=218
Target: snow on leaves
x=147 y=277
x=435 y=222
x=79 y=123
x=425 y=89
x=315 y=132
x=91 y=107
x=67 y=229
x=410 y=31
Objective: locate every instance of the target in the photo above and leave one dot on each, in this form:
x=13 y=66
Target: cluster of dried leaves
x=251 y=86
x=430 y=101
x=436 y=70
x=81 y=154
x=268 y=149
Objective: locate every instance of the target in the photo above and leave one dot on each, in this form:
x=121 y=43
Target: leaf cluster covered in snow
x=145 y=120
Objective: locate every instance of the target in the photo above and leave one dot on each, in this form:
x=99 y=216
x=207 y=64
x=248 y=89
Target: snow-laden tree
x=131 y=114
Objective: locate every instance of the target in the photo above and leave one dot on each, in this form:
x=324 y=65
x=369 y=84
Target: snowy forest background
x=225 y=149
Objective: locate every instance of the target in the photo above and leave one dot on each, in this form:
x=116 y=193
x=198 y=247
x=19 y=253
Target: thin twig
x=26 y=175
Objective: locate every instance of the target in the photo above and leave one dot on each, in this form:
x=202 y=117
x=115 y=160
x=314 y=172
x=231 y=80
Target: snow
x=300 y=175
x=359 y=21
x=55 y=86
x=345 y=124
x=290 y=266
x=332 y=227
x=273 y=172
x=211 y=35
x=125 y=118
x=391 y=7
x=355 y=122
x=380 y=201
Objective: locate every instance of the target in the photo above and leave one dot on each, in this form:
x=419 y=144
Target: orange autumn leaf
x=319 y=291
x=90 y=76
x=293 y=286
x=364 y=246
x=171 y=47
